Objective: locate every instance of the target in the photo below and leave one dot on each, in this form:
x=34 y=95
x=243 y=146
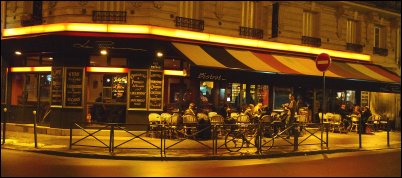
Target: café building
x=64 y=70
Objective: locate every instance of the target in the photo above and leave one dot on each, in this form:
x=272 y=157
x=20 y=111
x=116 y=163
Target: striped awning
x=215 y=56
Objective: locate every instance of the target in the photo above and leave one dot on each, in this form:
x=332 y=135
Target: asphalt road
x=378 y=163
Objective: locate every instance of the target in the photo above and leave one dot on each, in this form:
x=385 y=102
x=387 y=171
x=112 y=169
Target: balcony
x=251 y=32
x=354 y=47
x=380 y=51
x=30 y=20
x=192 y=24
x=109 y=16
x=311 y=41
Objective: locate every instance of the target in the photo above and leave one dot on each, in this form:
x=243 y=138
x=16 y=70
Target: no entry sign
x=323 y=61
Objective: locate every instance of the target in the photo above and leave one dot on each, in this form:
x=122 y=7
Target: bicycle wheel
x=234 y=141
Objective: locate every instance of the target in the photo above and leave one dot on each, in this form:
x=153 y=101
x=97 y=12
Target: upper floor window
x=379 y=36
x=398 y=47
x=310 y=24
x=248 y=14
x=351 y=30
x=188 y=9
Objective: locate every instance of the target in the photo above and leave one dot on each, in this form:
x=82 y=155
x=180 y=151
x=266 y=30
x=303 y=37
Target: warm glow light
x=17 y=53
x=159 y=54
x=107 y=69
x=103 y=52
x=181 y=34
x=31 y=69
x=175 y=72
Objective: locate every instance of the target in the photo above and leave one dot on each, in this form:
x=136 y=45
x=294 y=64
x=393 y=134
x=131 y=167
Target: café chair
x=189 y=124
x=336 y=123
x=355 y=122
x=154 y=119
x=218 y=120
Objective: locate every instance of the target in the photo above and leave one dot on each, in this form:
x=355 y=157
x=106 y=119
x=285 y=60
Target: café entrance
x=107 y=97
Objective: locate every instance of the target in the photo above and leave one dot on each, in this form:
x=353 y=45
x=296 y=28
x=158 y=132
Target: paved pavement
x=139 y=145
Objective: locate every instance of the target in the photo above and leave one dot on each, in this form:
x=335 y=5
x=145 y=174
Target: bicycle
x=263 y=132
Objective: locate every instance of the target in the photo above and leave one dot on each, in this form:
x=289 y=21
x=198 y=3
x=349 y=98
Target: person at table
x=346 y=122
x=291 y=110
x=366 y=113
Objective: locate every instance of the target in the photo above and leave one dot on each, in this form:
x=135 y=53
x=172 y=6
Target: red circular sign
x=323 y=61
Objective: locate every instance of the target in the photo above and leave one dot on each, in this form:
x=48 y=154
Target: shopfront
x=132 y=80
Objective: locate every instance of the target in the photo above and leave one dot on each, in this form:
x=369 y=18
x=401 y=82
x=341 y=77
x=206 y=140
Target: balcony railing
x=311 y=41
x=354 y=47
x=29 y=20
x=109 y=16
x=380 y=51
x=251 y=32
x=192 y=24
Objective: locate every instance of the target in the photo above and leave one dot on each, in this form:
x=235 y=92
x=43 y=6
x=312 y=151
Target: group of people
x=362 y=113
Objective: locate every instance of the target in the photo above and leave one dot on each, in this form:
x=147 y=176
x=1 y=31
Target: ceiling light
x=103 y=52
x=18 y=53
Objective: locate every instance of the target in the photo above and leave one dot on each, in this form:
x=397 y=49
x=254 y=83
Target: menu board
x=74 y=87
x=56 y=87
x=364 y=98
x=138 y=89
x=155 y=90
x=119 y=86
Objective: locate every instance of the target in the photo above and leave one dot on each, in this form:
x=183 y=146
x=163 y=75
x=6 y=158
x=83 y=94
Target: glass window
x=172 y=64
x=118 y=62
x=307 y=23
x=248 y=8
x=351 y=31
x=377 y=36
x=47 y=61
x=33 y=61
x=281 y=96
x=18 y=95
x=98 y=61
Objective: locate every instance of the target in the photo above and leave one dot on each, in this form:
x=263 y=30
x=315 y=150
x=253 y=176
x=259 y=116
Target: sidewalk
x=56 y=142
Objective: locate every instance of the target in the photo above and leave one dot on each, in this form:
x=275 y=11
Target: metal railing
x=354 y=47
x=251 y=32
x=380 y=51
x=193 y=24
x=109 y=16
x=311 y=41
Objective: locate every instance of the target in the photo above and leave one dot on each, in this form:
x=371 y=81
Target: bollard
x=4 y=125
x=111 y=144
x=388 y=128
x=360 y=132
x=327 y=135
x=296 y=137
x=35 y=136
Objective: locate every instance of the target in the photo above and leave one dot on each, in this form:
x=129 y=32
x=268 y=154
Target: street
x=377 y=163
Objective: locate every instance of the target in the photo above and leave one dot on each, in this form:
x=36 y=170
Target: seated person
x=190 y=110
x=346 y=121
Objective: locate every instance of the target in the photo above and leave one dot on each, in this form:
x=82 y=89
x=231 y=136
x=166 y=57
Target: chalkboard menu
x=57 y=87
x=138 y=89
x=155 y=90
x=74 y=87
x=364 y=98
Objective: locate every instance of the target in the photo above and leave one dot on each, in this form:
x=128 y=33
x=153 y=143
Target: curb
x=190 y=158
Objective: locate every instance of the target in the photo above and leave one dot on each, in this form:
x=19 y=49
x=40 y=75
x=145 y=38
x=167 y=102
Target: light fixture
x=18 y=53
x=107 y=69
x=159 y=54
x=103 y=52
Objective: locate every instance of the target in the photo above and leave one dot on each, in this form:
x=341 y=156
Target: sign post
x=322 y=62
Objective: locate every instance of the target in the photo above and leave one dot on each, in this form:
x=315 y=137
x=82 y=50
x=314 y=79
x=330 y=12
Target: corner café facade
x=60 y=72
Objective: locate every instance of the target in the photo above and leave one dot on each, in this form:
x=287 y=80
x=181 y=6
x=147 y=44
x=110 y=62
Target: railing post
x=111 y=144
x=360 y=132
x=71 y=134
x=35 y=136
x=4 y=125
x=296 y=136
x=214 y=137
x=388 y=128
x=327 y=130
x=162 y=138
